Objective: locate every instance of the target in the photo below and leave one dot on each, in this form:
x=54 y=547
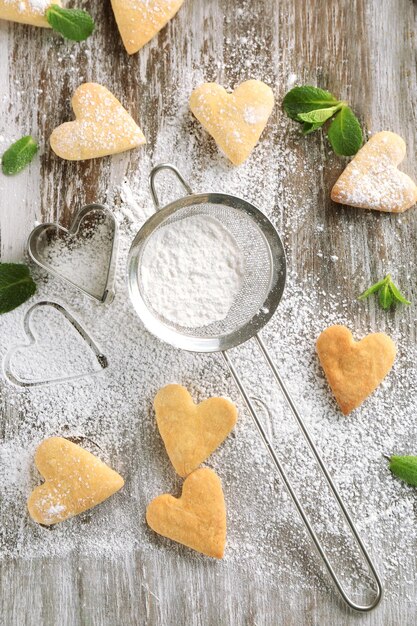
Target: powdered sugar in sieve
x=192 y=270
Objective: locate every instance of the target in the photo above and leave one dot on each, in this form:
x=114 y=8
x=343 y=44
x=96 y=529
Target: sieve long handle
x=316 y=540
x=154 y=172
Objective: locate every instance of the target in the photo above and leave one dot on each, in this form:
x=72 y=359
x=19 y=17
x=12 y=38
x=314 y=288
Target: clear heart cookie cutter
x=83 y=255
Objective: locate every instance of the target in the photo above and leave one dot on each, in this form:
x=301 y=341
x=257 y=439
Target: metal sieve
x=254 y=305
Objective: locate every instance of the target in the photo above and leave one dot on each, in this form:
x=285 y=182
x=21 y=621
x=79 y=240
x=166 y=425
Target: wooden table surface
x=362 y=50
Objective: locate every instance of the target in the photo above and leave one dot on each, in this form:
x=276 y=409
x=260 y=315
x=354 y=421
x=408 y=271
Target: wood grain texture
x=362 y=50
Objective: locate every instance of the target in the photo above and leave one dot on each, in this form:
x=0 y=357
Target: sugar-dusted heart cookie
x=140 y=20
x=191 y=431
x=197 y=519
x=75 y=480
x=372 y=179
x=354 y=369
x=102 y=126
x=234 y=120
x=26 y=11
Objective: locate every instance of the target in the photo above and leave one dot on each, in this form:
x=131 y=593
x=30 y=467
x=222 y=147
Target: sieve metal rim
x=196 y=343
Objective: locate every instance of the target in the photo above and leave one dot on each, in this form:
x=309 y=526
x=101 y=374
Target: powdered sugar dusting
x=34 y=6
x=372 y=179
x=236 y=120
x=102 y=126
x=264 y=533
x=44 y=356
x=265 y=538
x=82 y=257
x=192 y=270
x=255 y=114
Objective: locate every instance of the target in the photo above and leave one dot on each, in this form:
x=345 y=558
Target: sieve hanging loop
x=249 y=401
x=254 y=305
x=172 y=168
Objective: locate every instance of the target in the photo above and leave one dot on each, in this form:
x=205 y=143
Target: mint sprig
x=404 y=467
x=18 y=155
x=319 y=116
x=313 y=107
x=74 y=24
x=16 y=286
x=345 y=133
x=309 y=127
x=305 y=99
x=388 y=293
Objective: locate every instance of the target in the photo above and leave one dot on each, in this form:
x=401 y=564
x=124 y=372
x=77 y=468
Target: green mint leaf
x=385 y=296
x=308 y=128
x=20 y=154
x=305 y=99
x=16 y=286
x=396 y=292
x=404 y=467
x=389 y=293
x=345 y=133
x=73 y=24
x=372 y=289
x=319 y=116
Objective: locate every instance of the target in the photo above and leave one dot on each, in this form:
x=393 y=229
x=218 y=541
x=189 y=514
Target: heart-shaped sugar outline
x=235 y=120
x=372 y=179
x=191 y=432
x=197 y=519
x=101 y=359
x=139 y=22
x=37 y=237
x=75 y=481
x=354 y=369
x=102 y=126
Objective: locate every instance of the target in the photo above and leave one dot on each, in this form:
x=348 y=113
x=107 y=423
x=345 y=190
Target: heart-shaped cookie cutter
x=36 y=245
x=21 y=382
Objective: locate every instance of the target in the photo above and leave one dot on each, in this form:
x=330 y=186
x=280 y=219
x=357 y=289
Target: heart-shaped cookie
x=372 y=179
x=197 y=519
x=75 y=480
x=59 y=349
x=140 y=21
x=84 y=255
x=234 y=120
x=102 y=126
x=354 y=369
x=26 y=11
x=191 y=431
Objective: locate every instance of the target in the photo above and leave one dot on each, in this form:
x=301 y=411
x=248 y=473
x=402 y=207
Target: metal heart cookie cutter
x=43 y=236
x=254 y=305
x=100 y=361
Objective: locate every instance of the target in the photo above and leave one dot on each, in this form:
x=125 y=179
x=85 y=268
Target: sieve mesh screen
x=257 y=268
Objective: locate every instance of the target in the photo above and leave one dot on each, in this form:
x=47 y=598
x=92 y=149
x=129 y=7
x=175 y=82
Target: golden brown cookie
x=75 y=480
x=372 y=179
x=354 y=369
x=140 y=21
x=234 y=120
x=26 y=12
x=197 y=519
x=191 y=431
x=102 y=126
